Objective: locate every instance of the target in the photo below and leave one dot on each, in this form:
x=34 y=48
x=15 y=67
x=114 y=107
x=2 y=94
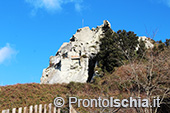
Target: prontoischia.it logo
x=111 y=102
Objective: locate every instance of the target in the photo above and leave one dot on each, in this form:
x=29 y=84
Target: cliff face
x=75 y=60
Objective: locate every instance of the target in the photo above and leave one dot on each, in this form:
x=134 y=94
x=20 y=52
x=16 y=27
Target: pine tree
x=109 y=54
x=167 y=43
x=115 y=47
x=128 y=42
x=161 y=46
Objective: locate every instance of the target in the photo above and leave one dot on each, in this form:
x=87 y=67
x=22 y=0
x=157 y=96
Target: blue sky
x=33 y=30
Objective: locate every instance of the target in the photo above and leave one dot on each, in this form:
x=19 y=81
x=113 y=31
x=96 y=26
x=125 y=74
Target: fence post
x=3 y=111
x=25 y=110
x=20 y=110
x=72 y=110
x=59 y=110
x=35 y=109
x=40 y=108
x=54 y=110
x=45 y=108
x=14 y=110
x=31 y=109
x=7 y=111
x=49 y=108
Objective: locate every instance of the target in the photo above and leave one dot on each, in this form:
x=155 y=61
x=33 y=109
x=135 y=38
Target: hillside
x=117 y=85
x=21 y=95
x=125 y=66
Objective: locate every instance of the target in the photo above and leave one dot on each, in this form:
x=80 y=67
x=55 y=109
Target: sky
x=33 y=30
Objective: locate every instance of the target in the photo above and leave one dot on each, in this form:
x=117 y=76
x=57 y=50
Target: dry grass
x=22 y=95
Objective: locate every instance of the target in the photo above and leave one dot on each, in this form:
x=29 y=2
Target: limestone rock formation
x=74 y=60
x=148 y=42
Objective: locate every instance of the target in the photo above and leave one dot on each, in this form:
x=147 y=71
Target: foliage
x=167 y=43
x=161 y=45
x=115 y=47
x=109 y=54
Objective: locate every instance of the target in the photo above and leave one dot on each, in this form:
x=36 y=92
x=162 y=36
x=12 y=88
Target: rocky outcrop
x=148 y=41
x=75 y=60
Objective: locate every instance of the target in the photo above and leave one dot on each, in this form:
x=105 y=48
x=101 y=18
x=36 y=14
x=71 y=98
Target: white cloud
x=6 y=53
x=166 y=2
x=53 y=5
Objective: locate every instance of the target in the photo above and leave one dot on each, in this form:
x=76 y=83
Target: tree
x=161 y=45
x=167 y=43
x=112 y=46
x=109 y=54
x=150 y=77
x=128 y=42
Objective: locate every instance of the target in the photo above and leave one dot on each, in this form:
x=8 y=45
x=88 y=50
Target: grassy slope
x=21 y=95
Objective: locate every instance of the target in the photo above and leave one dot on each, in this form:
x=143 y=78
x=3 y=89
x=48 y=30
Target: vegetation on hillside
x=126 y=71
x=149 y=69
x=114 y=48
x=22 y=95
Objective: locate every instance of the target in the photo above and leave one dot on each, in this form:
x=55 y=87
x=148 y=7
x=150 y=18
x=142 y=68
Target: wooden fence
x=38 y=109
